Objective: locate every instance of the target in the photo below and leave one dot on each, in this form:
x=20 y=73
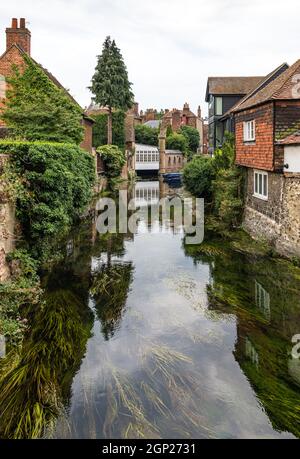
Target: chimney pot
x=18 y=36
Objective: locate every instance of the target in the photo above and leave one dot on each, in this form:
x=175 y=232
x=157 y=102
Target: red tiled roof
x=264 y=82
x=292 y=139
x=279 y=88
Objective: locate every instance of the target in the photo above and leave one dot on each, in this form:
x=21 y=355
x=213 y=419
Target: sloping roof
x=152 y=123
x=231 y=85
x=50 y=76
x=278 y=88
x=292 y=139
x=264 y=82
x=140 y=146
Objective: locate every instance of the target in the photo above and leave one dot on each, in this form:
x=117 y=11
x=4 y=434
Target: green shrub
x=146 y=135
x=177 y=141
x=198 y=176
x=113 y=158
x=118 y=129
x=228 y=197
x=57 y=182
x=192 y=136
x=227 y=186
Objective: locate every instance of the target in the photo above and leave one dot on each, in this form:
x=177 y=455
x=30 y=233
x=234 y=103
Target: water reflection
x=143 y=336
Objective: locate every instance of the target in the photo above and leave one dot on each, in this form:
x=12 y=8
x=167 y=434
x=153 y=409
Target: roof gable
x=277 y=89
x=13 y=46
x=22 y=53
x=264 y=82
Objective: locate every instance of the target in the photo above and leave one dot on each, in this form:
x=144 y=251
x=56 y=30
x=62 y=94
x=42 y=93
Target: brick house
x=267 y=126
x=18 y=44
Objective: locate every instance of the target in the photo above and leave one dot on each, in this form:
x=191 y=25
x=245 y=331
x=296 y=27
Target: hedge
x=56 y=185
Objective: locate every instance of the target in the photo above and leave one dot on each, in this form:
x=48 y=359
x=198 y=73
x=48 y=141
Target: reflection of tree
x=264 y=339
x=110 y=289
x=31 y=392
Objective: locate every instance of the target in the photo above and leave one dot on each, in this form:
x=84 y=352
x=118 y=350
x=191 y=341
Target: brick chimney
x=20 y=36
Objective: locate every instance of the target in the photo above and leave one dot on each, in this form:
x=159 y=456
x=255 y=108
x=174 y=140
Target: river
x=142 y=336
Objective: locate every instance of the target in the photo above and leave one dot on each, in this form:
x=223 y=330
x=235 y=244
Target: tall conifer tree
x=110 y=85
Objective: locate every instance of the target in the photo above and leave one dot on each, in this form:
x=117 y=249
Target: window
x=219 y=106
x=249 y=131
x=2 y=87
x=211 y=106
x=261 y=185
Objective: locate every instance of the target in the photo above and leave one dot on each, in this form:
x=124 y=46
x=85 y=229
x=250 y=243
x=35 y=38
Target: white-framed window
x=261 y=185
x=249 y=131
x=219 y=106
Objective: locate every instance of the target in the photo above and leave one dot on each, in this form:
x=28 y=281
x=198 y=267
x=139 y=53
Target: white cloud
x=170 y=47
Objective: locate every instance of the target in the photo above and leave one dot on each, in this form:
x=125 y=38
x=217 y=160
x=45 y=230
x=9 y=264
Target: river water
x=145 y=337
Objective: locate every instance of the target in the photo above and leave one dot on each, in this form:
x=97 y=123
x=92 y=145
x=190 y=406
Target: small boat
x=172 y=176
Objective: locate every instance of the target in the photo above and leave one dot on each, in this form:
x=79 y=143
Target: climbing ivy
x=56 y=181
x=36 y=109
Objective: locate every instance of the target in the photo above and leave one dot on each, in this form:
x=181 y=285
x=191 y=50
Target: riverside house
x=267 y=138
x=18 y=44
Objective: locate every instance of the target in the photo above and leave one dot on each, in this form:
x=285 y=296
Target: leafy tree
x=192 y=136
x=198 y=176
x=36 y=109
x=146 y=135
x=110 y=84
x=114 y=159
x=227 y=186
x=100 y=129
x=224 y=157
x=177 y=141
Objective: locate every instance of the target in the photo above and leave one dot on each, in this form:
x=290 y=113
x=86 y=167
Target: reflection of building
x=262 y=348
x=147 y=192
x=262 y=300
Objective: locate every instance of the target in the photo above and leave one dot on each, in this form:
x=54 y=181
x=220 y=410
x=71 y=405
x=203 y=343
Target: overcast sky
x=170 y=46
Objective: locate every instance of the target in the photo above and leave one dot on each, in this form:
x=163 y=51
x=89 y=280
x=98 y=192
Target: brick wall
x=12 y=56
x=276 y=220
x=270 y=208
x=258 y=154
x=174 y=162
x=87 y=143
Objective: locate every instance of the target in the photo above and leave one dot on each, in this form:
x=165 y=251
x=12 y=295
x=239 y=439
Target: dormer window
x=2 y=87
x=249 y=131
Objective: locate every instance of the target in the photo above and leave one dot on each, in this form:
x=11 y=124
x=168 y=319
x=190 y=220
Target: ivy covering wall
x=54 y=185
x=118 y=129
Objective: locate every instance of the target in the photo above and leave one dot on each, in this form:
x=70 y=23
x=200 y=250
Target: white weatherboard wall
x=146 y=157
x=292 y=158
